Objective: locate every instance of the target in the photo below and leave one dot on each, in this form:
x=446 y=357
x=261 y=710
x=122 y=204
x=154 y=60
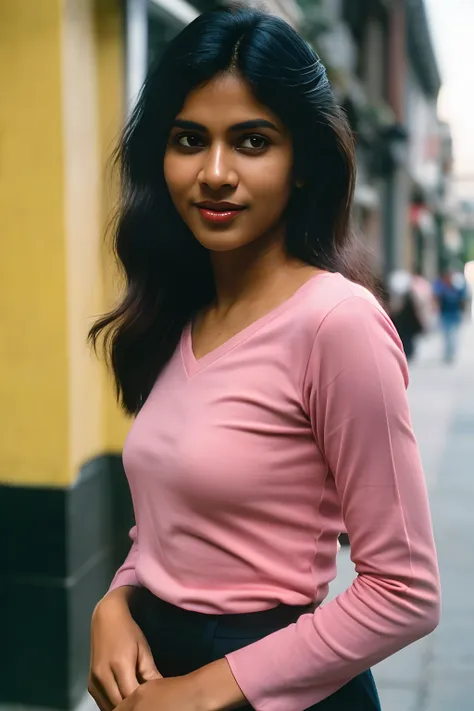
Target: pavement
x=437 y=673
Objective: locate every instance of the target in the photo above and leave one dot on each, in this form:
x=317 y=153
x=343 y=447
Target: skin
x=210 y=158
x=218 y=163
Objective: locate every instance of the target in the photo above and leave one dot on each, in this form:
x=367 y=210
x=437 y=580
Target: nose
x=218 y=171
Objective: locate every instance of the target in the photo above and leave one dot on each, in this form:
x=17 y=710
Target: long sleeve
x=126 y=574
x=355 y=396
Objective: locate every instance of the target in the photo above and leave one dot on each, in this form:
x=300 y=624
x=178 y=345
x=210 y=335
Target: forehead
x=224 y=101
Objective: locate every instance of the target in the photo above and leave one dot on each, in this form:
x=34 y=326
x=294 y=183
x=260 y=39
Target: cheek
x=271 y=179
x=177 y=176
x=271 y=187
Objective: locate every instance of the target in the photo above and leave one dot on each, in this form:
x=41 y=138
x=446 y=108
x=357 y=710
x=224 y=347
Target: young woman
x=269 y=392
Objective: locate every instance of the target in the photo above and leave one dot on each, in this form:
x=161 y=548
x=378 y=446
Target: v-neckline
x=194 y=365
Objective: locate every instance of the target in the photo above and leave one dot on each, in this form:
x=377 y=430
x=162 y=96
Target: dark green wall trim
x=60 y=549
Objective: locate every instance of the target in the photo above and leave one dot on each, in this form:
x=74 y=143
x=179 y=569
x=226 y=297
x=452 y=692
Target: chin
x=223 y=242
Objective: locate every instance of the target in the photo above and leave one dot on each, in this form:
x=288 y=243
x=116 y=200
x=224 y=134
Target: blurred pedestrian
x=425 y=303
x=450 y=291
x=405 y=310
x=269 y=390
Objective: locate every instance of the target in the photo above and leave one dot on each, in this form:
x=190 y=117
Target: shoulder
x=334 y=305
x=349 y=331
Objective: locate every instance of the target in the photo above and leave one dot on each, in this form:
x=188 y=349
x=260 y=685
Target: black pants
x=183 y=641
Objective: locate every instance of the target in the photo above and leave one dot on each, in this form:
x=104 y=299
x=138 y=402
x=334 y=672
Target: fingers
x=126 y=680
x=104 y=690
x=146 y=667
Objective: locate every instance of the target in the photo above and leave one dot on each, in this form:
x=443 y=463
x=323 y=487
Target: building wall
x=64 y=503
x=34 y=369
x=110 y=58
x=423 y=128
x=425 y=170
x=60 y=113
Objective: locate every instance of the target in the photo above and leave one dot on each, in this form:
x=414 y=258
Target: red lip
x=219 y=212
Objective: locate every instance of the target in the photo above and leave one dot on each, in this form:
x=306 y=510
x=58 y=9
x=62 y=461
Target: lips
x=219 y=212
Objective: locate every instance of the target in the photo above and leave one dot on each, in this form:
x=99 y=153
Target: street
x=437 y=673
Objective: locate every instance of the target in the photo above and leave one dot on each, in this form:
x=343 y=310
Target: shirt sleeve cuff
x=124 y=577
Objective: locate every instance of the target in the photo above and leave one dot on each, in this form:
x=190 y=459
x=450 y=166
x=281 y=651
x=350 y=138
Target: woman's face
x=229 y=165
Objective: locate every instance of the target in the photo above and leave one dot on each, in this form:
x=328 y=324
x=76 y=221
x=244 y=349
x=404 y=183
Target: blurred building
x=461 y=244
x=69 y=73
x=151 y=24
x=427 y=168
x=352 y=39
x=445 y=202
x=383 y=67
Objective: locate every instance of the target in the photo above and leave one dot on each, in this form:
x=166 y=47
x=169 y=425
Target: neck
x=244 y=274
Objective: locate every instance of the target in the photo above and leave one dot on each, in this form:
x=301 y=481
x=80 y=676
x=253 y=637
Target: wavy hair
x=168 y=275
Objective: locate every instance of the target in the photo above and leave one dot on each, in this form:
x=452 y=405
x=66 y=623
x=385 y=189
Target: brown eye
x=189 y=140
x=255 y=142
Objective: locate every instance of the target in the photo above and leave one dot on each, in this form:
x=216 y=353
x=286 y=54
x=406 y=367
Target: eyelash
x=180 y=136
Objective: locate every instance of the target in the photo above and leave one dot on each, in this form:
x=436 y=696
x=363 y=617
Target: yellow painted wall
x=34 y=403
x=111 y=94
x=61 y=104
x=82 y=226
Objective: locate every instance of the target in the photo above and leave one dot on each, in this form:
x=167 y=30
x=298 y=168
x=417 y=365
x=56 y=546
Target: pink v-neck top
x=245 y=465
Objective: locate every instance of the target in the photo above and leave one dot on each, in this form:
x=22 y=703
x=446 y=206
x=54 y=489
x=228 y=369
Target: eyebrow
x=243 y=126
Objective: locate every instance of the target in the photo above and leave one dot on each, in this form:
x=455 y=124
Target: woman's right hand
x=121 y=658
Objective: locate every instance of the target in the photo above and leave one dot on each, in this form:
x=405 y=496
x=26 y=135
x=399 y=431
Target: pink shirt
x=244 y=467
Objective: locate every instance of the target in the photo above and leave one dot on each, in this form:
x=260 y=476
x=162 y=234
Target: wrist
x=215 y=688
x=118 y=598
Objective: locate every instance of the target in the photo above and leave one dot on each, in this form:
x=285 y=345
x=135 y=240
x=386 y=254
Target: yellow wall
x=82 y=225
x=61 y=99
x=110 y=62
x=33 y=314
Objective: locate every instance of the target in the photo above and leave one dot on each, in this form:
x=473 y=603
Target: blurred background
x=69 y=73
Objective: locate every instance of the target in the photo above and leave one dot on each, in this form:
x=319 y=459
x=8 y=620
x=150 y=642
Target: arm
x=356 y=400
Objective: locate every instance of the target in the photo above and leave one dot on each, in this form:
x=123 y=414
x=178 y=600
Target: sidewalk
x=437 y=673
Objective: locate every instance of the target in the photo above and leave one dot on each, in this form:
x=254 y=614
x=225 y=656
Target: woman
x=269 y=394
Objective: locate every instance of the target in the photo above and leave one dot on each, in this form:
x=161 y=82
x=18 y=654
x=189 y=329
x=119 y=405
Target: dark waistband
x=238 y=624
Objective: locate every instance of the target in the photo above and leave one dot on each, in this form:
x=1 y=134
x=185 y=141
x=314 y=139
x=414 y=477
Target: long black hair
x=168 y=275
